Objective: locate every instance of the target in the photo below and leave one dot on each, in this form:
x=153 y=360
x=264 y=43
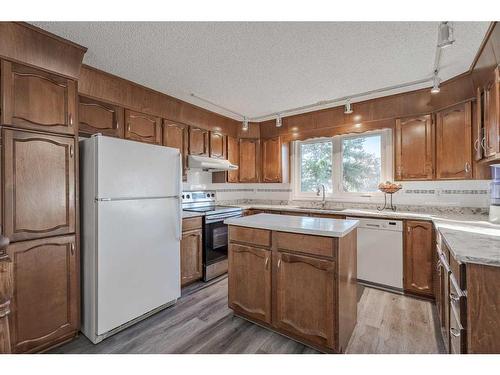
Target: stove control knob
x=182 y=196
x=208 y=195
x=188 y=196
x=213 y=195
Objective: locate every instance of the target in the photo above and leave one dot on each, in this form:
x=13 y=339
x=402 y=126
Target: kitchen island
x=295 y=275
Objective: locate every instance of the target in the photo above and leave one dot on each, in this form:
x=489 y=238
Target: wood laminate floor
x=201 y=322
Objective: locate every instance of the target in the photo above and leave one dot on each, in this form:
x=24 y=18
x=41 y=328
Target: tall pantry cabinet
x=39 y=159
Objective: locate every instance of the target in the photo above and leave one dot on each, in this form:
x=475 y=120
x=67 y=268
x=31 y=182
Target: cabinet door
x=176 y=135
x=250 y=281
x=249 y=149
x=217 y=145
x=39 y=185
x=418 y=258
x=198 y=141
x=271 y=160
x=414 y=145
x=191 y=256
x=97 y=117
x=233 y=155
x=305 y=298
x=46 y=297
x=142 y=127
x=492 y=116
x=453 y=143
x=33 y=99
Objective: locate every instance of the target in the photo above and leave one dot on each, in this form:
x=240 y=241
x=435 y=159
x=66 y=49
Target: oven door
x=216 y=237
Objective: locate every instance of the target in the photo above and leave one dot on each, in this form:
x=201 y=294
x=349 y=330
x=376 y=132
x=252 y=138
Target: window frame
x=386 y=162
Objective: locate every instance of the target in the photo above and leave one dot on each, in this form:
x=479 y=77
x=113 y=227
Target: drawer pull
x=454 y=332
x=279 y=263
x=454 y=297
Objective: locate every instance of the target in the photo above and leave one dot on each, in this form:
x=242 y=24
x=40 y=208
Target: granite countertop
x=296 y=224
x=471 y=238
x=188 y=214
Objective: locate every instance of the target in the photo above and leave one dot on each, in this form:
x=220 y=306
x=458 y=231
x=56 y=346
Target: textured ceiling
x=256 y=68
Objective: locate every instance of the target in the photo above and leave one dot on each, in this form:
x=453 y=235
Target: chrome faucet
x=323 y=199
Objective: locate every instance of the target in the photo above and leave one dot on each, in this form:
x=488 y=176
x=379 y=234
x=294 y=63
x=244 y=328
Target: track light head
x=435 y=84
x=278 y=121
x=244 y=125
x=445 y=35
x=348 y=107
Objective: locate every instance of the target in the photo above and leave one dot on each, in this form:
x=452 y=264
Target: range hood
x=210 y=164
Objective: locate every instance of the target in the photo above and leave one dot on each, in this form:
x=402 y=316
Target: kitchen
x=139 y=219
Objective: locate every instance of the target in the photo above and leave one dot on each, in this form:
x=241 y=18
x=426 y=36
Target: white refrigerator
x=130 y=232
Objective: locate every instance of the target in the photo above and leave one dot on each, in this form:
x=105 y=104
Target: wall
x=460 y=193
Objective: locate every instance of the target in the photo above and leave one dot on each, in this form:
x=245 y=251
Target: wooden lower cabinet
x=191 y=256
x=249 y=288
x=418 y=258
x=292 y=290
x=305 y=298
x=46 y=300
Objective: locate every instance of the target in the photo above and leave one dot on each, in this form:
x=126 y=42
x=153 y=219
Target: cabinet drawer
x=458 y=270
x=458 y=301
x=457 y=334
x=260 y=237
x=191 y=223
x=303 y=243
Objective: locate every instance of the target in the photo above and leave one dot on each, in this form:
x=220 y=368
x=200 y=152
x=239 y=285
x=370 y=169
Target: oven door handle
x=220 y=218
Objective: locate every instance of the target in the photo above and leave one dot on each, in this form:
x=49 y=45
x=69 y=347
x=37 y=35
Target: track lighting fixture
x=435 y=83
x=445 y=35
x=244 y=126
x=278 y=121
x=347 y=107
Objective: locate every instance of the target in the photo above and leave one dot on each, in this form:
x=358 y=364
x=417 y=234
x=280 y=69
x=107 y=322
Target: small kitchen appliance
x=495 y=194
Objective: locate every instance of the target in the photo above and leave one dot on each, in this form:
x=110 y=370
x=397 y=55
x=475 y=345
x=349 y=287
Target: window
x=347 y=165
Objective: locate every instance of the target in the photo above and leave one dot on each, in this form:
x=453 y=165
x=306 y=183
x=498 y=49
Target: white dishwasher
x=380 y=253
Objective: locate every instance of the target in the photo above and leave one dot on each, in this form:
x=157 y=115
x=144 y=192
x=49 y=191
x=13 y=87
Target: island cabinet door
x=250 y=281
x=305 y=298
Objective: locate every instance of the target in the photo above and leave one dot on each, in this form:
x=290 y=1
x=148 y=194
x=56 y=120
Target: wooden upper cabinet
x=491 y=112
x=217 y=145
x=39 y=185
x=198 y=141
x=454 y=142
x=233 y=155
x=45 y=304
x=142 y=127
x=191 y=256
x=305 y=298
x=271 y=160
x=418 y=256
x=176 y=135
x=249 y=160
x=98 y=117
x=33 y=99
x=249 y=289
x=414 y=148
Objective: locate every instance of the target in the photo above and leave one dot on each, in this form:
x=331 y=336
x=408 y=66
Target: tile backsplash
x=461 y=193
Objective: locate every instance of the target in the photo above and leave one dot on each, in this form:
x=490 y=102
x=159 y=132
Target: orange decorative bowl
x=389 y=187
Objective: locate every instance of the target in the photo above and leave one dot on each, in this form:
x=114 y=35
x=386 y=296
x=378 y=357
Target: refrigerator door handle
x=179 y=199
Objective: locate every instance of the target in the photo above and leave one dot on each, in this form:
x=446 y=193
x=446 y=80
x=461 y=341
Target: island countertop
x=296 y=224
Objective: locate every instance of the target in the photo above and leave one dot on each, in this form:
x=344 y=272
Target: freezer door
x=128 y=169
x=138 y=259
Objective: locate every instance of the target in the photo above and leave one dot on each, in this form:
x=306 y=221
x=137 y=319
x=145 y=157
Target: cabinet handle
x=279 y=263
x=454 y=297
x=70 y=119
x=467 y=167
x=267 y=262
x=476 y=144
x=72 y=248
x=483 y=143
x=128 y=127
x=455 y=332
x=438 y=265
x=71 y=151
